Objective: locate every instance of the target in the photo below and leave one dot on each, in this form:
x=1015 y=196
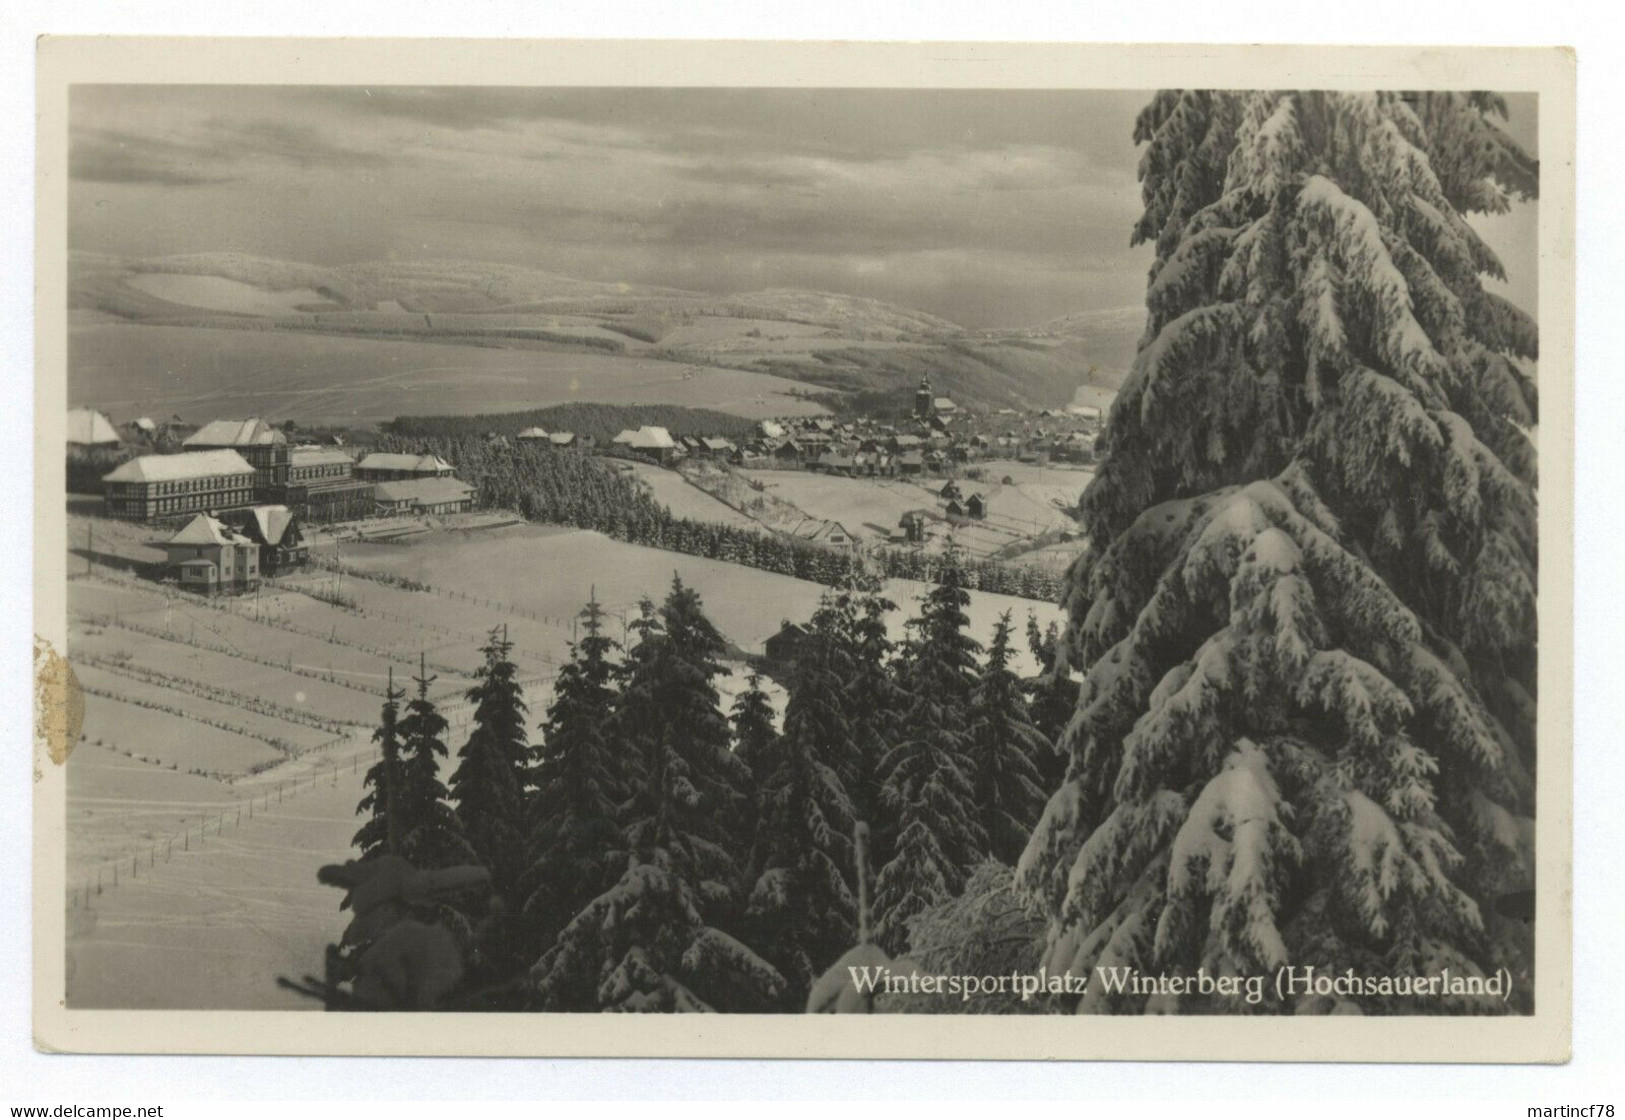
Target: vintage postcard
x=912 y=550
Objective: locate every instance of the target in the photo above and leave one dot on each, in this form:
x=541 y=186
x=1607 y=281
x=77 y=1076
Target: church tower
x=923 y=398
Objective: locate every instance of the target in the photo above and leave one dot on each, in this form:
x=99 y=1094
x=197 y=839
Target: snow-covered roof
x=562 y=439
x=273 y=522
x=651 y=438
x=944 y=404
x=626 y=435
x=394 y=461
x=309 y=455
x=818 y=529
x=424 y=491
x=204 y=529
x=532 y=433
x=172 y=468
x=252 y=432
x=87 y=426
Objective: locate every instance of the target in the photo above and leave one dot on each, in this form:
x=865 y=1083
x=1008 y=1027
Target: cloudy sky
x=990 y=208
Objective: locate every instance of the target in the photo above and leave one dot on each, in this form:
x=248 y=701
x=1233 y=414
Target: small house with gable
x=211 y=558
x=276 y=530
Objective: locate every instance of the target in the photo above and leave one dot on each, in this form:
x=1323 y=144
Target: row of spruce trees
x=649 y=849
x=542 y=483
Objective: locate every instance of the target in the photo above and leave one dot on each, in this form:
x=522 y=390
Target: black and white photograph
x=799 y=550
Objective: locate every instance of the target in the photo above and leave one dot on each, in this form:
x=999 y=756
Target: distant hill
x=834 y=343
x=854 y=312
x=1081 y=323
x=1110 y=336
x=415 y=287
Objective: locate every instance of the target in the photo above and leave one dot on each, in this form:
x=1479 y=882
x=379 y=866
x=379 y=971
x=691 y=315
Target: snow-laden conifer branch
x=1306 y=619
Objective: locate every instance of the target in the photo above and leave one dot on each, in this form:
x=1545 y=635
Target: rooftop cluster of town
x=240 y=489
x=938 y=437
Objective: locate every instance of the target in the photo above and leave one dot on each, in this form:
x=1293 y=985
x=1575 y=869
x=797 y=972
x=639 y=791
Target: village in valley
x=243 y=591
x=244 y=493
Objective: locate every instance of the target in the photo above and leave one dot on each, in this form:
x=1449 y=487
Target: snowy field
x=211 y=926
x=217 y=293
x=1055 y=558
x=196 y=713
x=682 y=497
x=1064 y=483
x=550 y=571
x=287 y=633
x=870 y=508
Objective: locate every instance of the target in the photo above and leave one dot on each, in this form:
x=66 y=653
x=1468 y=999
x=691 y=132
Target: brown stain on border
x=59 y=703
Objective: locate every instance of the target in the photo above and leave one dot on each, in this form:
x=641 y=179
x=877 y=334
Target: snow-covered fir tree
x=577 y=849
x=489 y=786
x=1004 y=748
x=643 y=945
x=874 y=701
x=802 y=910
x=430 y=834
x=989 y=929
x=1307 y=613
x=381 y=832
x=1052 y=697
x=928 y=788
x=670 y=718
x=752 y=722
x=655 y=940
x=751 y=719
